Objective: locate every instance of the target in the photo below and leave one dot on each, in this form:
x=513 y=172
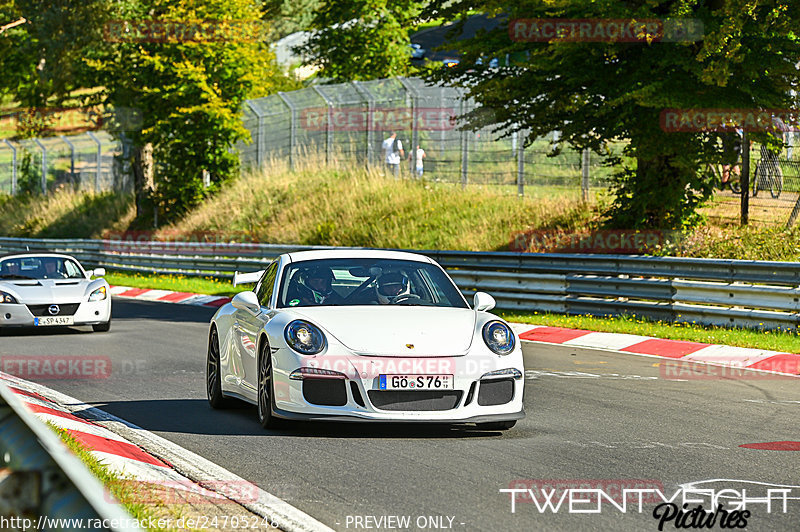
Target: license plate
x=53 y=320
x=416 y=382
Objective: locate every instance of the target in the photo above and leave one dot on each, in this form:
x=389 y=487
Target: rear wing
x=247 y=278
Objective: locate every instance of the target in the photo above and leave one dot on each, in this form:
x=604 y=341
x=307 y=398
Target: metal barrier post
x=44 y=165
x=13 y=167
x=292 y=127
x=585 y=175
x=370 y=113
x=328 y=124
x=259 y=135
x=99 y=160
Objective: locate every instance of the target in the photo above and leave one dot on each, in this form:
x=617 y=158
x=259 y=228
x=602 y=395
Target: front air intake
x=415 y=400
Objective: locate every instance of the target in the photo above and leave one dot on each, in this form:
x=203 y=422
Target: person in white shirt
x=420 y=154
x=393 y=148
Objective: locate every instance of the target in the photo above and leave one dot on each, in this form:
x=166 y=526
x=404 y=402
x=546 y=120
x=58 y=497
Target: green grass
x=783 y=341
x=125 y=490
x=177 y=283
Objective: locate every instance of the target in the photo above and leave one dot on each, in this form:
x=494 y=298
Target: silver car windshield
x=350 y=282
x=39 y=268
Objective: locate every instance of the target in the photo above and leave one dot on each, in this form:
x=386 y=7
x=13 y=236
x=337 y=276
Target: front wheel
x=213 y=373
x=265 y=388
x=102 y=327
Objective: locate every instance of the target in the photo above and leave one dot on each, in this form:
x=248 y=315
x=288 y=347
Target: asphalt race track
x=594 y=419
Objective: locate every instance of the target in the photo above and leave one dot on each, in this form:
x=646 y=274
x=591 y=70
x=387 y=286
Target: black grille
x=325 y=392
x=414 y=400
x=67 y=309
x=471 y=393
x=356 y=393
x=497 y=392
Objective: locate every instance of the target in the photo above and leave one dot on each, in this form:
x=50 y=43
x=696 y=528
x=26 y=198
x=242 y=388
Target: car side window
x=267 y=285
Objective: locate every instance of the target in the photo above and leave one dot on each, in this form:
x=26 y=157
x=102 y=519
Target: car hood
x=48 y=290
x=390 y=330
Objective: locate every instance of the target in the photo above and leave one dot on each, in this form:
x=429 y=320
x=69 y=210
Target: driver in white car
x=391 y=287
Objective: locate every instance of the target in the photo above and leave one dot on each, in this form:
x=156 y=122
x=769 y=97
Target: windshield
x=345 y=282
x=40 y=268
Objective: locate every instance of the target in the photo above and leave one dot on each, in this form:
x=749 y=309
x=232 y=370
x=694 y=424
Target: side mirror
x=247 y=301
x=483 y=301
x=99 y=272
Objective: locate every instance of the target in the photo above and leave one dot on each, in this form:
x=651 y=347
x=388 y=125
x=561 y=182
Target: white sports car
x=363 y=336
x=50 y=289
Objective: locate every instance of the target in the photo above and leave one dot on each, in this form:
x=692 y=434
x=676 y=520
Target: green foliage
x=288 y=16
x=362 y=39
x=41 y=59
x=595 y=92
x=189 y=94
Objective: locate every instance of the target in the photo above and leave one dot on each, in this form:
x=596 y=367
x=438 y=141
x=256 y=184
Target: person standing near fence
x=393 y=148
x=418 y=164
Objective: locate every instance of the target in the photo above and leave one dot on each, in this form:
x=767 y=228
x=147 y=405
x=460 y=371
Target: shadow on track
x=122 y=309
x=194 y=416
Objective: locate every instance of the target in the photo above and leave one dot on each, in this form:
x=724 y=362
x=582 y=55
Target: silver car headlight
x=99 y=294
x=304 y=337
x=7 y=298
x=498 y=337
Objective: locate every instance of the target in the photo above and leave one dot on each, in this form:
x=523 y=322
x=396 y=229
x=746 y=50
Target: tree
x=188 y=83
x=595 y=92
x=361 y=39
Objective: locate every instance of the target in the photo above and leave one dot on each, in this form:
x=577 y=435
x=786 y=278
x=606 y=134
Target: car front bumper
x=357 y=396
x=88 y=313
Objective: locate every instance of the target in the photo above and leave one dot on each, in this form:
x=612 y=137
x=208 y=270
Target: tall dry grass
x=335 y=204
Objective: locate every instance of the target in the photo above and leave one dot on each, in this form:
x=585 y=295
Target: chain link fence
x=349 y=122
x=92 y=161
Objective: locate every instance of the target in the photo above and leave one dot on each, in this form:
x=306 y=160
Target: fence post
x=71 y=156
x=412 y=99
x=292 y=128
x=328 y=123
x=585 y=175
x=99 y=160
x=370 y=113
x=745 y=179
x=259 y=136
x=464 y=148
x=520 y=139
x=13 y=167
x=44 y=165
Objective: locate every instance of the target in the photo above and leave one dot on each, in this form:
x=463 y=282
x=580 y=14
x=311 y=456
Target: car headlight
x=7 y=298
x=98 y=295
x=498 y=337
x=304 y=337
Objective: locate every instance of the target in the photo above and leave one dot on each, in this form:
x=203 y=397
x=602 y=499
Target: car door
x=248 y=327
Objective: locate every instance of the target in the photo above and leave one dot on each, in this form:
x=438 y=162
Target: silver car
x=50 y=289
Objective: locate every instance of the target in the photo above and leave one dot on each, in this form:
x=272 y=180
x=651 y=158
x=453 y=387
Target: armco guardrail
x=43 y=486
x=709 y=291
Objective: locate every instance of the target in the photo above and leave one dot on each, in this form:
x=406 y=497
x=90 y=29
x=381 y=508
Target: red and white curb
x=696 y=352
x=168 y=296
x=167 y=465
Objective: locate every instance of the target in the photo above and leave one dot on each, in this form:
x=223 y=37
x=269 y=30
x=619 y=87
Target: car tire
x=213 y=373
x=102 y=327
x=265 y=388
x=497 y=425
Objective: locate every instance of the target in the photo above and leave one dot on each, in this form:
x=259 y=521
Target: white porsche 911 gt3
x=363 y=336
x=50 y=289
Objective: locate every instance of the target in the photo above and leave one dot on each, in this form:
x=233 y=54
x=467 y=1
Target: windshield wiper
x=15 y=276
